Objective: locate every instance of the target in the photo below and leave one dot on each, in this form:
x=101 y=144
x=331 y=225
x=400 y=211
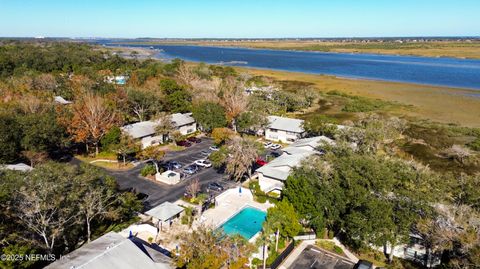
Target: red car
x=260 y=162
x=194 y=139
x=184 y=143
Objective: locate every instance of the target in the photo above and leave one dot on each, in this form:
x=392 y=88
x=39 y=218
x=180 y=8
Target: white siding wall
x=268 y=184
x=282 y=136
x=151 y=141
x=188 y=129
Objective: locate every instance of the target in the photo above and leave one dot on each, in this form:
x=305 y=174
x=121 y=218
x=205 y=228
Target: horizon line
x=248 y=38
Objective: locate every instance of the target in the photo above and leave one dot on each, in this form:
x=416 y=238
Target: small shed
x=165 y=214
x=168 y=177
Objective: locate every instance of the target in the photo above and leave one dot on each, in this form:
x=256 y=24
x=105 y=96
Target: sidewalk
x=295 y=253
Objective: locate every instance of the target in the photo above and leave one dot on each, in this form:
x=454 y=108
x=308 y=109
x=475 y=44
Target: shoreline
x=448 y=105
x=445 y=105
x=155 y=53
x=330 y=47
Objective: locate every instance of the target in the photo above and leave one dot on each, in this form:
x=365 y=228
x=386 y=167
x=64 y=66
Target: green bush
x=253 y=185
x=261 y=199
x=148 y=170
x=257 y=262
x=337 y=249
x=475 y=145
x=361 y=104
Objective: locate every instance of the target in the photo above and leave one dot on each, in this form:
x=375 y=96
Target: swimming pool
x=247 y=223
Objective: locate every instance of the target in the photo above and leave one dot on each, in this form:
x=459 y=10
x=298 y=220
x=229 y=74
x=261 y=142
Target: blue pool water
x=247 y=223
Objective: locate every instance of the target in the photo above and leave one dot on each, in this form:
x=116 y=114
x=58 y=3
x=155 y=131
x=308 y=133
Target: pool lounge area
x=247 y=222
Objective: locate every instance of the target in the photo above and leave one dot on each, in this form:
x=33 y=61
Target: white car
x=267 y=145
x=275 y=146
x=203 y=163
x=214 y=148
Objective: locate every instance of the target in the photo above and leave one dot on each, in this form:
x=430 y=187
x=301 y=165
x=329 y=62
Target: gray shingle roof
x=109 y=251
x=180 y=119
x=280 y=167
x=165 y=211
x=286 y=124
x=140 y=129
x=307 y=144
x=294 y=154
x=147 y=128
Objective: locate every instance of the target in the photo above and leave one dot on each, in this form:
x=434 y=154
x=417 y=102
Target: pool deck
x=228 y=204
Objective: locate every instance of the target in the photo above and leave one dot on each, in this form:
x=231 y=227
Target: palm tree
x=264 y=240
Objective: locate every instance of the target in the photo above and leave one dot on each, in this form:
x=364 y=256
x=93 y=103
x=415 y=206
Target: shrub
x=337 y=249
x=261 y=199
x=257 y=262
x=361 y=104
x=218 y=158
x=475 y=145
x=148 y=170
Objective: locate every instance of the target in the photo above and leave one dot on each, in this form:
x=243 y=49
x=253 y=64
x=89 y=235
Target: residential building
x=271 y=177
x=114 y=251
x=145 y=130
x=184 y=123
x=286 y=130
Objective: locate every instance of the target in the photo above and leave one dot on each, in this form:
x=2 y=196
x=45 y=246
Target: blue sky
x=239 y=18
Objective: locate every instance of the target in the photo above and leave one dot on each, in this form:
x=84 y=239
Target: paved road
x=159 y=192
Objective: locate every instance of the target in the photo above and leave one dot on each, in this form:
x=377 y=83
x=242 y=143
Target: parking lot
x=315 y=258
x=157 y=192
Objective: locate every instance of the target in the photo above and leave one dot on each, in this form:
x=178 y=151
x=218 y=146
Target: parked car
x=191 y=169
x=260 y=162
x=203 y=163
x=194 y=139
x=275 y=146
x=267 y=145
x=172 y=164
x=363 y=264
x=205 y=153
x=276 y=153
x=215 y=186
x=214 y=148
x=184 y=143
